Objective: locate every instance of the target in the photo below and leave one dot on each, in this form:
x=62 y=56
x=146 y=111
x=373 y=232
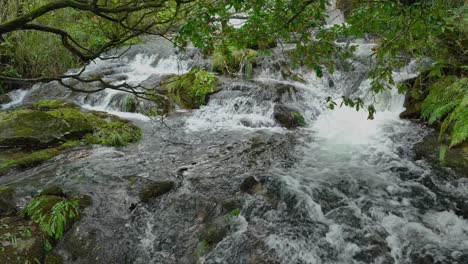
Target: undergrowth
x=53 y=214
x=447 y=103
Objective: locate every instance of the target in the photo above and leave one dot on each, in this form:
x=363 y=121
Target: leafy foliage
x=53 y=214
x=447 y=102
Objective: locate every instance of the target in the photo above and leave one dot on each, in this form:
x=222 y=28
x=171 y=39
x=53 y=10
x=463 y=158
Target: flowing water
x=343 y=189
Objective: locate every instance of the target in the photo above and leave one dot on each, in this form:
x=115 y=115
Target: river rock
x=29 y=128
x=287 y=117
x=21 y=241
x=156 y=189
x=7 y=202
x=216 y=230
x=456 y=157
x=5 y=99
x=52 y=190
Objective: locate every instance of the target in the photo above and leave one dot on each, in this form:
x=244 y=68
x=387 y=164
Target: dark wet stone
x=52 y=190
x=216 y=230
x=250 y=185
x=345 y=216
x=230 y=205
x=7 y=201
x=156 y=189
x=287 y=117
x=5 y=99
x=21 y=241
x=53 y=258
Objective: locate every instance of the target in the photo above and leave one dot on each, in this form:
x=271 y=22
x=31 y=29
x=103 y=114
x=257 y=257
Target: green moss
x=70 y=144
x=447 y=103
x=53 y=104
x=53 y=214
x=114 y=134
x=30 y=160
x=192 y=89
x=230 y=60
x=299 y=118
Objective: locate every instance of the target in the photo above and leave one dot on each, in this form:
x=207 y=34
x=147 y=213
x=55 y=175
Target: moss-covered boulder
x=229 y=60
x=53 y=104
x=191 y=90
x=32 y=135
x=155 y=189
x=288 y=117
x=7 y=201
x=36 y=129
x=21 y=241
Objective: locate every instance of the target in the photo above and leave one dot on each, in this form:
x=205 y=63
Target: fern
x=447 y=102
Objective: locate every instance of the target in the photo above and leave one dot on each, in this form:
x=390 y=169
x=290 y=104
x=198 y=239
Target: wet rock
x=7 y=201
x=53 y=104
x=216 y=230
x=21 y=241
x=230 y=205
x=288 y=117
x=345 y=216
x=5 y=99
x=52 y=190
x=251 y=185
x=156 y=189
x=25 y=128
x=455 y=158
x=191 y=90
x=53 y=258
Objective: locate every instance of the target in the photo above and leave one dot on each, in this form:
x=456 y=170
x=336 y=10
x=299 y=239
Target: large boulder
x=36 y=129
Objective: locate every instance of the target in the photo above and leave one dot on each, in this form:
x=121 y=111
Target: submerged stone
x=156 y=189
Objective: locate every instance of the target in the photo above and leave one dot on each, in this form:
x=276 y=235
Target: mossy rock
x=53 y=104
x=30 y=160
x=21 y=241
x=230 y=60
x=7 y=201
x=152 y=103
x=191 y=90
x=288 y=117
x=155 y=189
x=52 y=190
x=36 y=129
x=53 y=214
